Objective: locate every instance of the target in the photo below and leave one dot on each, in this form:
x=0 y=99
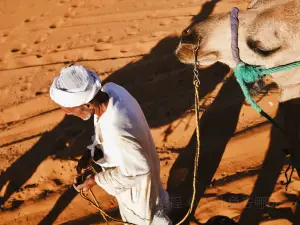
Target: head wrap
x=74 y=86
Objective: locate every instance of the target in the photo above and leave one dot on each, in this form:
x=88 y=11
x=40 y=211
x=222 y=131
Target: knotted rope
x=196 y=83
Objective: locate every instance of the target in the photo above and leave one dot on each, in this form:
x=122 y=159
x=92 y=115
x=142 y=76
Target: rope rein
x=196 y=83
x=96 y=204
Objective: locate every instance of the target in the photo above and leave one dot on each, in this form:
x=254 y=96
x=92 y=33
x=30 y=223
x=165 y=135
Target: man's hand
x=84 y=161
x=87 y=184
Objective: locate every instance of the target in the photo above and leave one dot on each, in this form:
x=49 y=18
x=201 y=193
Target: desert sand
x=131 y=43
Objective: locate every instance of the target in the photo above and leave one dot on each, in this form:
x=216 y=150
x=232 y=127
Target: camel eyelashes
x=256 y=47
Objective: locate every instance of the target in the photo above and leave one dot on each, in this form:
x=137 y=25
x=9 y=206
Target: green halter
x=248 y=74
x=245 y=73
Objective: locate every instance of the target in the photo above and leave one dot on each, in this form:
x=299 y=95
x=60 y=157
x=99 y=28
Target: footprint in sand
x=18 y=48
x=4 y=37
x=43 y=37
x=42 y=91
x=158 y=34
x=164 y=23
x=67 y=15
x=28 y=20
x=15 y=50
x=70 y=13
x=102 y=46
x=144 y=39
x=26 y=51
x=22 y=48
x=51 y=69
x=104 y=39
x=125 y=49
x=134 y=26
x=23 y=88
x=52 y=26
x=132 y=33
x=56 y=24
x=72 y=9
x=132 y=30
x=61 y=2
x=176 y=18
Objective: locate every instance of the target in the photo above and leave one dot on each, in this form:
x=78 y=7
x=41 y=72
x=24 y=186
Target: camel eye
x=256 y=46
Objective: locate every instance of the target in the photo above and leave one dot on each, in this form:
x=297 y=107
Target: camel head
x=269 y=35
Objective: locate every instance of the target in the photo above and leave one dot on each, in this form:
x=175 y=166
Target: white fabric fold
x=131 y=162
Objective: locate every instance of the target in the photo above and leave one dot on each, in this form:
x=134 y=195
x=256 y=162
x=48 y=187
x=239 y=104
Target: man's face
x=84 y=111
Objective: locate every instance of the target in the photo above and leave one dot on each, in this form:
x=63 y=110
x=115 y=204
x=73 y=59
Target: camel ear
x=254 y=4
x=257 y=3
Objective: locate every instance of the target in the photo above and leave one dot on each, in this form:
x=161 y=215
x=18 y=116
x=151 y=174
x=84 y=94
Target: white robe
x=131 y=164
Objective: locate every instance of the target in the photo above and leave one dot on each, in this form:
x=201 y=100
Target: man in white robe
x=131 y=167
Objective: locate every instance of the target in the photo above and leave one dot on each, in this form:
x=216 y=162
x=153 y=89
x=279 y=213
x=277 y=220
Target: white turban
x=74 y=86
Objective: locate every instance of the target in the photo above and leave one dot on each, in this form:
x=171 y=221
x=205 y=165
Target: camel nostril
x=189 y=36
x=186 y=32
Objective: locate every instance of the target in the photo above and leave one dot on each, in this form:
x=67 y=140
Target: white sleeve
x=92 y=146
x=133 y=167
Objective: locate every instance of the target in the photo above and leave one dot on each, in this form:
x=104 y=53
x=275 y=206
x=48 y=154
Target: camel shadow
x=215 y=132
x=216 y=129
x=272 y=166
